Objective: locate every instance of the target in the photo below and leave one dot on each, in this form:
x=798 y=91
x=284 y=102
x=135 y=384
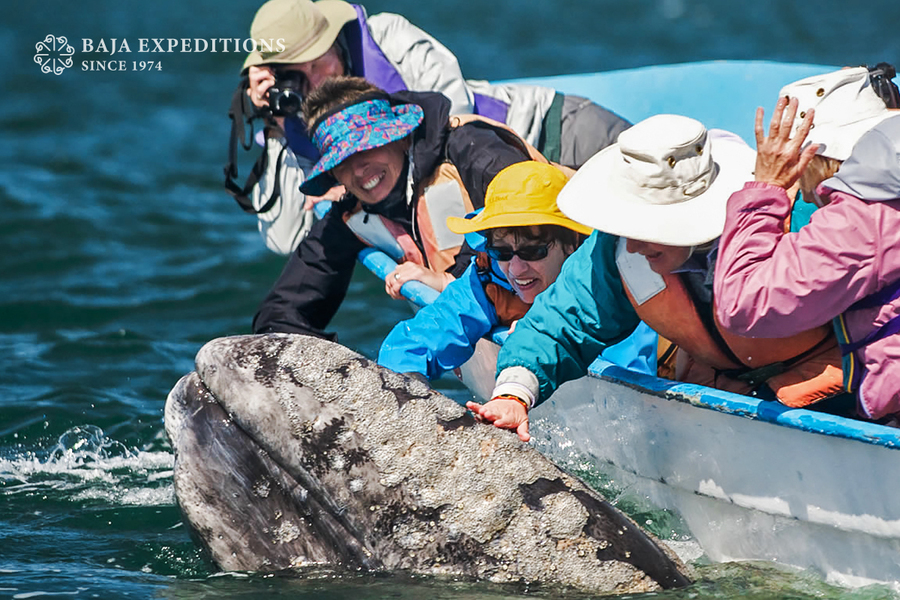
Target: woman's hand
x=333 y=195
x=410 y=271
x=504 y=413
x=779 y=159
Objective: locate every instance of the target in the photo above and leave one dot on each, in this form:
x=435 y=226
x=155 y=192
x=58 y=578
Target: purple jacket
x=774 y=284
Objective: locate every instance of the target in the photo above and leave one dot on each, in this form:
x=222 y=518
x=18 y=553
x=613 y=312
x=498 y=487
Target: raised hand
x=780 y=159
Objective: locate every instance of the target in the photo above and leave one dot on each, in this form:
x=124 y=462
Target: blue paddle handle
x=383 y=265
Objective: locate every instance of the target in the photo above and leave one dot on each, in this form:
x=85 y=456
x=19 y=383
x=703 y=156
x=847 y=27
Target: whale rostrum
x=293 y=451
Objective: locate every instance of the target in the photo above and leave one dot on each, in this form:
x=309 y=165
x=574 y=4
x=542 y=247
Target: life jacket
x=438 y=196
x=434 y=245
x=800 y=369
x=509 y=135
x=852 y=337
x=507 y=304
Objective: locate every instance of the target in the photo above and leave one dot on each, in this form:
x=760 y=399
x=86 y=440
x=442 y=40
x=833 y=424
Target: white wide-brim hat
x=846 y=108
x=667 y=181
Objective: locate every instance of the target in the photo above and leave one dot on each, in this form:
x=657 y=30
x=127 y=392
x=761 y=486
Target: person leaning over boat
x=526 y=240
x=332 y=37
x=845 y=264
x=658 y=198
x=406 y=166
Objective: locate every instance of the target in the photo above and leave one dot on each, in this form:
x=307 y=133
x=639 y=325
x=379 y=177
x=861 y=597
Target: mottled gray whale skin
x=292 y=451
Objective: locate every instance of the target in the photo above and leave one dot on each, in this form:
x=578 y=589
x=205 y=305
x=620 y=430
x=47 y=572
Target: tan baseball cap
x=308 y=29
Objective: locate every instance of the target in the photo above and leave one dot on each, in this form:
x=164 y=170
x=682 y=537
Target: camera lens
x=289 y=102
x=284 y=96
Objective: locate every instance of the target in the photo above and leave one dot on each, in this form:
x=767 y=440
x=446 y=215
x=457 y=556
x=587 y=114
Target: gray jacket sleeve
x=423 y=62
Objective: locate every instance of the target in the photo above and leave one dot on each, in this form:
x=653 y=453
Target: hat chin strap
x=698 y=186
x=409 y=174
x=695 y=188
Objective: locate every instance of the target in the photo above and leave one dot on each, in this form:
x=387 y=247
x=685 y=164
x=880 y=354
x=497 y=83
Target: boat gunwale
x=768 y=411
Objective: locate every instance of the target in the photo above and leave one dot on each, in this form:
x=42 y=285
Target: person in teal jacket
x=524 y=240
x=642 y=184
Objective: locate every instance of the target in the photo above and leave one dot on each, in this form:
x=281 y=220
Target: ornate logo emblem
x=53 y=54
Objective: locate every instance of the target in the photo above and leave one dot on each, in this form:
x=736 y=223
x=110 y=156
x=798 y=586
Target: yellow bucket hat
x=520 y=195
x=308 y=29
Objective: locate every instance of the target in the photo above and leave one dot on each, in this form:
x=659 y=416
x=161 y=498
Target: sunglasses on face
x=527 y=253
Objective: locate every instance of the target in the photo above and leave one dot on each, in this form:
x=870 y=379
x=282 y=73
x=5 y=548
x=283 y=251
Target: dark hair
x=542 y=234
x=333 y=93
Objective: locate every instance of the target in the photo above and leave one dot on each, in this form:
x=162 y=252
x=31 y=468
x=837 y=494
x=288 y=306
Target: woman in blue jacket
x=525 y=240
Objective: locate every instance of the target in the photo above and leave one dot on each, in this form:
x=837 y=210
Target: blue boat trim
x=747 y=406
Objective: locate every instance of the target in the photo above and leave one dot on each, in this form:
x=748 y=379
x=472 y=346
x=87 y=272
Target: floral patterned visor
x=358 y=127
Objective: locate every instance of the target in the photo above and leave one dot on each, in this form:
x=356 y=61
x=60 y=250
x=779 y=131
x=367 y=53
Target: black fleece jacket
x=315 y=279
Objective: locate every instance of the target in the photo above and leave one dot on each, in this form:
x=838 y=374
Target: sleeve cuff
x=519 y=382
x=764 y=185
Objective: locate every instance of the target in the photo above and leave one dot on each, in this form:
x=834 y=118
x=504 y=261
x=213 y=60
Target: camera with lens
x=880 y=77
x=285 y=95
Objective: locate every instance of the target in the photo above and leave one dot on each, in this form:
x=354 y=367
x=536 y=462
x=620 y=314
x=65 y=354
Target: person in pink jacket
x=843 y=266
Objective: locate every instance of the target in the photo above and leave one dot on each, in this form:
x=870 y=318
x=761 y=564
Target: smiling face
x=370 y=175
x=663 y=259
x=529 y=278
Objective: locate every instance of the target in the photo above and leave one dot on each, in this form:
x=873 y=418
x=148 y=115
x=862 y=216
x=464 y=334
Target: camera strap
x=242 y=114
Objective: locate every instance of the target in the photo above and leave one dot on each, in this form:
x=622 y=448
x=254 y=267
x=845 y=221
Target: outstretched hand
x=503 y=413
x=779 y=158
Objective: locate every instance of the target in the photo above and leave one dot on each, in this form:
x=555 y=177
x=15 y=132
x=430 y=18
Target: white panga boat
x=751 y=479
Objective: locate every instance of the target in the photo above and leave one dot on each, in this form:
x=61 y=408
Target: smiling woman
x=529 y=261
x=406 y=167
x=526 y=240
x=663 y=259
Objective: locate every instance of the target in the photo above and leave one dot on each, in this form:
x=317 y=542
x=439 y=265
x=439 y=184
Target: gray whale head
x=291 y=451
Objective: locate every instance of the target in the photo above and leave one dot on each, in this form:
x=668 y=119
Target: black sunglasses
x=527 y=253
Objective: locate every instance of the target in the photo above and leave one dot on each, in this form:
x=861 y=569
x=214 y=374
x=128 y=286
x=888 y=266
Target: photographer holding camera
x=330 y=38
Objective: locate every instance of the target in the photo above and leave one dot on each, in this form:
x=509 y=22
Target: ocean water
x=120 y=255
